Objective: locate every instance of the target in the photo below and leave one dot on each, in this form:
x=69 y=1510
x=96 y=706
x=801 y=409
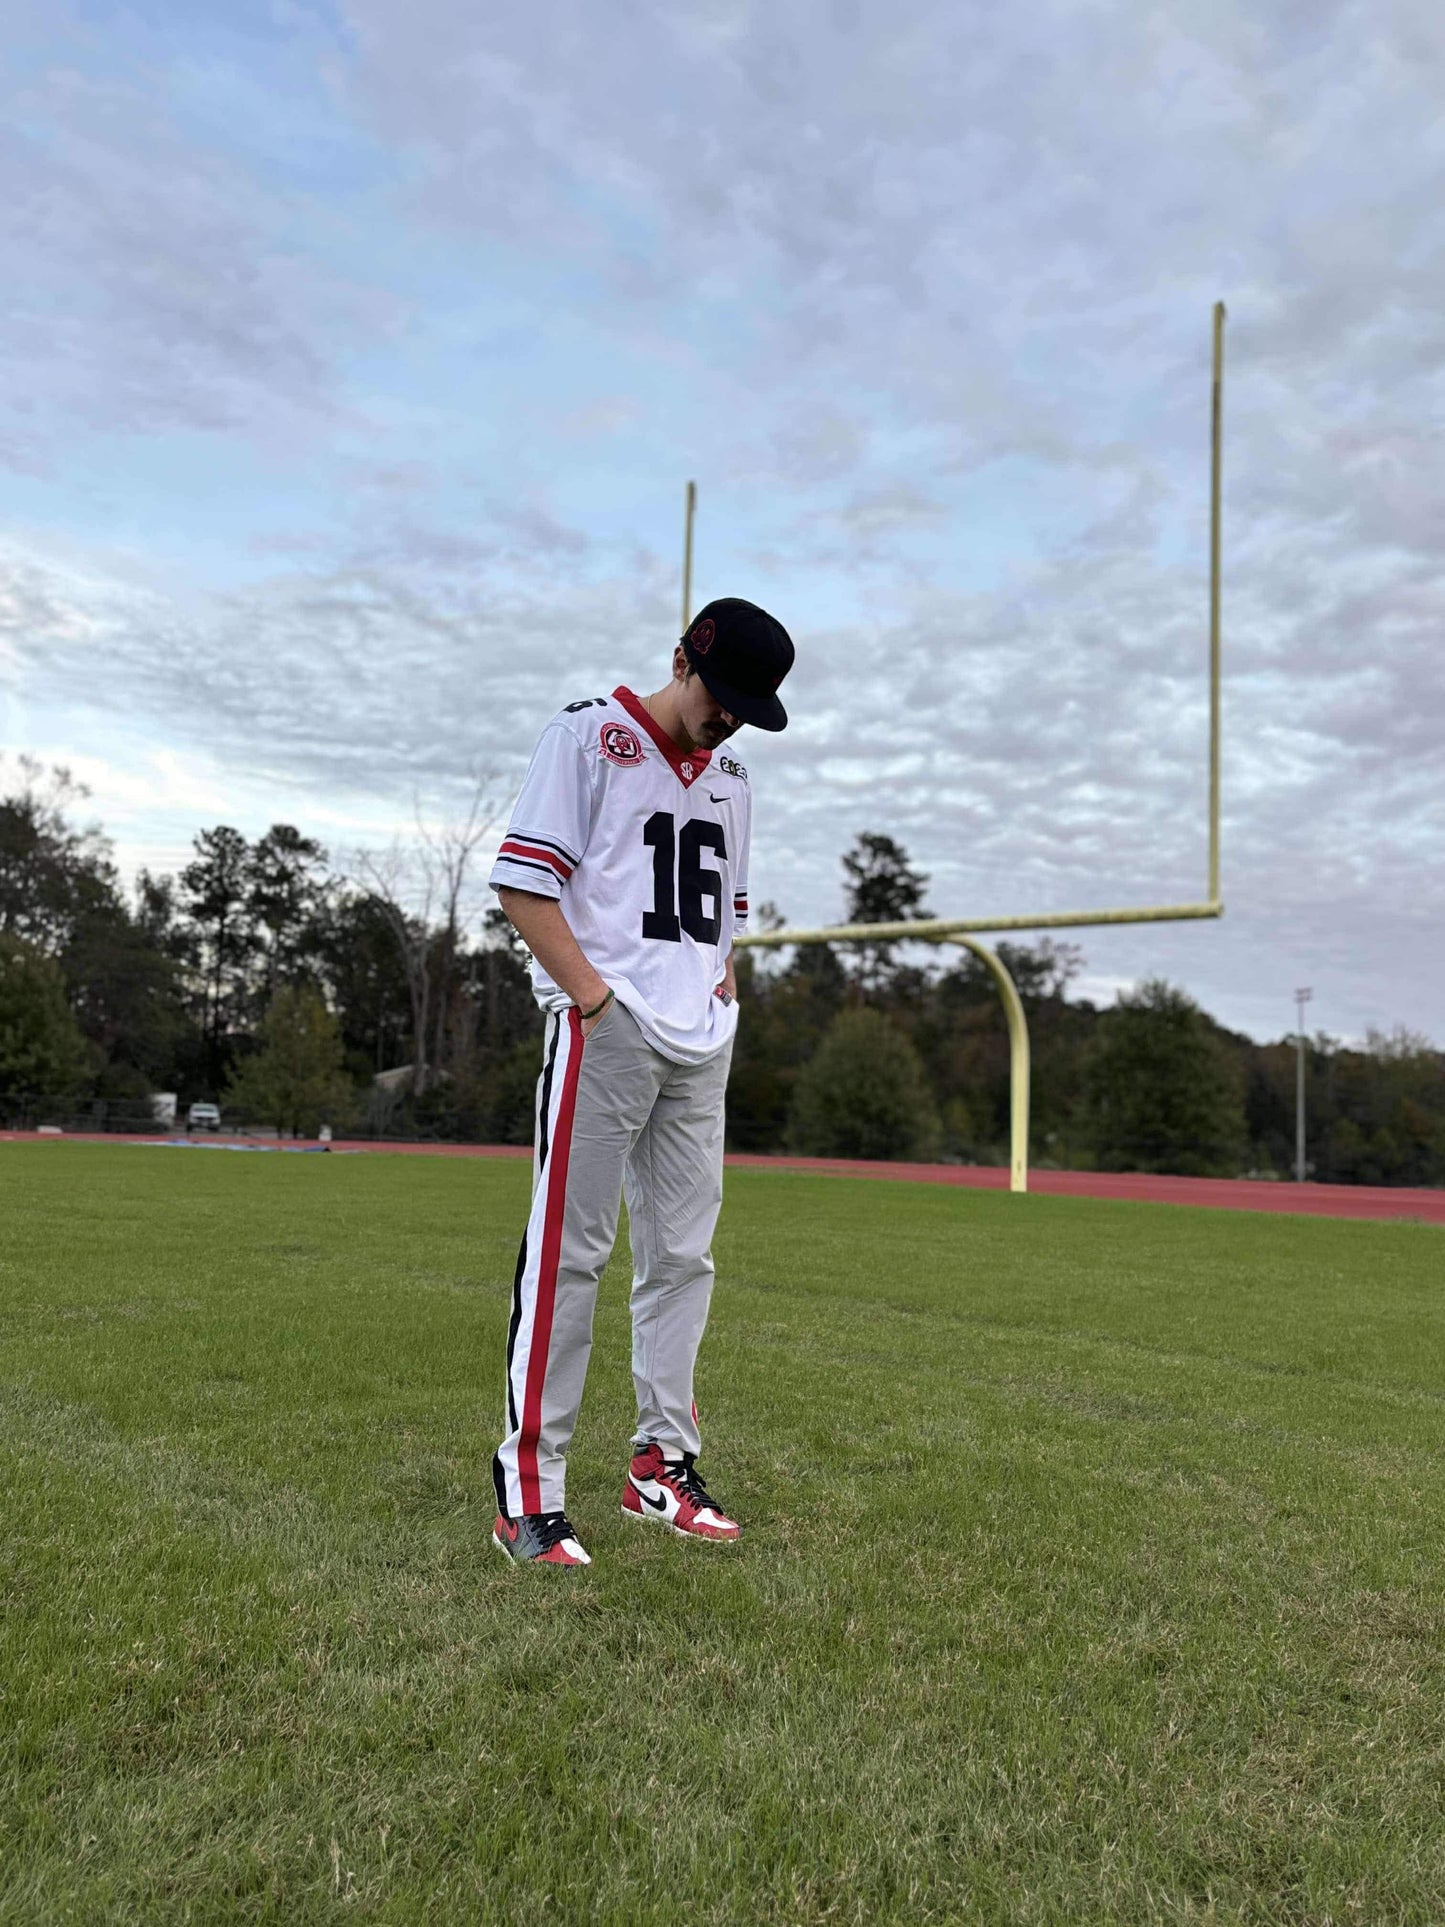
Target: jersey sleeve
x=740 y=868
x=550 y=820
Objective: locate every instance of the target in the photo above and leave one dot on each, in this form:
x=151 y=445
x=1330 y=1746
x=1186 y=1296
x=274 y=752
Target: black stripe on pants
x=516 y=1318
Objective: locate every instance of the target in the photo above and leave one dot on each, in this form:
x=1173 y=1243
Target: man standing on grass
x=625 y=872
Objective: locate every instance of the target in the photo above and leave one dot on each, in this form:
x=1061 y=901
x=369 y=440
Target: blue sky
x=357 y=357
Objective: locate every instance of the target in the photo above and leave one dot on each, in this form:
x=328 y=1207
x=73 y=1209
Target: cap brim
x=758 y=712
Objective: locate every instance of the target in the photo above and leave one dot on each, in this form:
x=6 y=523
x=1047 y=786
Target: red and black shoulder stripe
x=541 y=853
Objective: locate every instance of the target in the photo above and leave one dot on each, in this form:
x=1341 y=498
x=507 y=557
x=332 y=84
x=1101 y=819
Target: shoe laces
x=684 y=1474
x=551 y=1528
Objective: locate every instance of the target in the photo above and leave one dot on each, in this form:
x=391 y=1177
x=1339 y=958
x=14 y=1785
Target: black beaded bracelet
x=597 y=1009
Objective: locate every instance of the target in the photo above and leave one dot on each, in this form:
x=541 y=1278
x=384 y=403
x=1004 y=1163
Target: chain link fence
x=118 y=1117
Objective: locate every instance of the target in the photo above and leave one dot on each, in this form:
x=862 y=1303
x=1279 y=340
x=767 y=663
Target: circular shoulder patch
x=619 y=744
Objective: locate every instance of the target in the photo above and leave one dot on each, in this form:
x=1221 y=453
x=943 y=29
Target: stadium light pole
x=1301 y=998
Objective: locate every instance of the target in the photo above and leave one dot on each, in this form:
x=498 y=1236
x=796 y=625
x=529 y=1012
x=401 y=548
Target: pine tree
x=883 y=887
x=217 y=887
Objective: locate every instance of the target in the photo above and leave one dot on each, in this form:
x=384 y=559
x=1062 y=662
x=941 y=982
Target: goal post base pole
x=1018 y=1066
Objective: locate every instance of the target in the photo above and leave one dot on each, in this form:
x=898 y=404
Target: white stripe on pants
x=610 y=1109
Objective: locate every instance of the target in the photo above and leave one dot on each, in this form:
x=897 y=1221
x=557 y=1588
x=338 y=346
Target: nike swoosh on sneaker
x=658 y=1505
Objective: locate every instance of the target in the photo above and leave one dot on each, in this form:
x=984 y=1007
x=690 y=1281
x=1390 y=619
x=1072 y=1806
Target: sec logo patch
x=619 y=744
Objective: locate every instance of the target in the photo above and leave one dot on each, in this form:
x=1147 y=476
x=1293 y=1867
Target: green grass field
x=1093 y=1567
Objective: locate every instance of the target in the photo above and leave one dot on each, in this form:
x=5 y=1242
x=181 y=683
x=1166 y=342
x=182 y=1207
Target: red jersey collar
x=687 y=768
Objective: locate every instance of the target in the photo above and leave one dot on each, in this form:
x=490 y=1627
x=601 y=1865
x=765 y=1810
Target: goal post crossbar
x=949 y=929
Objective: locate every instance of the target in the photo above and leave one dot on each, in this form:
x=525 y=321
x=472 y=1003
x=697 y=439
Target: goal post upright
x=1216 y=430
x=688 y=517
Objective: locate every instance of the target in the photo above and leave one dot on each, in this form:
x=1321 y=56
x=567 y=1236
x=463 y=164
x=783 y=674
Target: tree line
x=261 y=976
x=380 y=994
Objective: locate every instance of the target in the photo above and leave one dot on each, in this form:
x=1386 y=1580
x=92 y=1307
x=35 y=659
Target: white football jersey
x=646 y=849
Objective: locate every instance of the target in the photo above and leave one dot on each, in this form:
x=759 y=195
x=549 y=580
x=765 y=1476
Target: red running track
x=1229 y=1194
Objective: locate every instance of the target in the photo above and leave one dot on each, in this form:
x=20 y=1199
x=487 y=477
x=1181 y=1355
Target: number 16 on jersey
x=686 y=895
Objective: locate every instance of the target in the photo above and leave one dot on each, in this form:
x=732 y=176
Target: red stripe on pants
x=557 y=1155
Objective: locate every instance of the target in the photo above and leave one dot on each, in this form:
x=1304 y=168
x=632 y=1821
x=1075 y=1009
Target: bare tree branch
x=428 y=894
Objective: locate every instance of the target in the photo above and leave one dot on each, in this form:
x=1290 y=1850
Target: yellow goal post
x=966 y=931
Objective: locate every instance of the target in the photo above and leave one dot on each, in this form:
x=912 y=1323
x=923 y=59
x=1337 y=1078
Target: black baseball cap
x=742 y=654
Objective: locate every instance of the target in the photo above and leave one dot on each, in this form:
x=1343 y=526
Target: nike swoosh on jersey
x=719 y=799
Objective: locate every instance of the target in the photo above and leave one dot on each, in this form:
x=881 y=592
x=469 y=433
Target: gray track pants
x=611 y=1111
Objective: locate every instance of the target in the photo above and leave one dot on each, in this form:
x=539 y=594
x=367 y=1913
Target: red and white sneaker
x=546 y=1537
x=670 y=1491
